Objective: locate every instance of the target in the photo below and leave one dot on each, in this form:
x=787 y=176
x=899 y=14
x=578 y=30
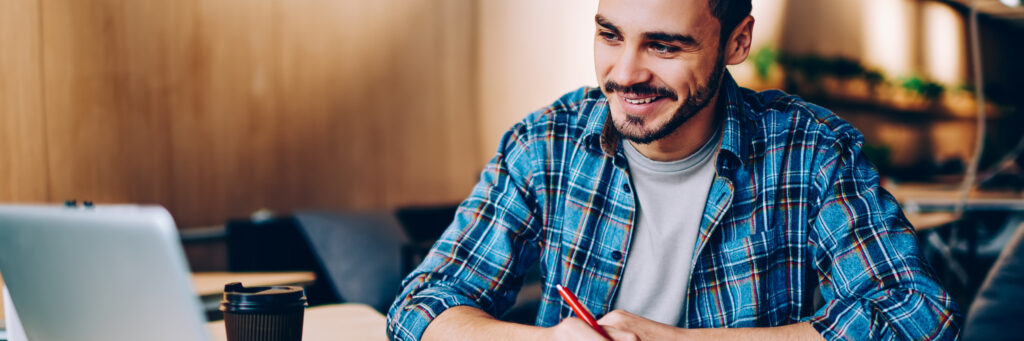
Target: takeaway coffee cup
x=263 y=313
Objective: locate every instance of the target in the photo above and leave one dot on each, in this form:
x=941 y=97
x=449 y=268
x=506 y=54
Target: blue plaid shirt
x=794 y=205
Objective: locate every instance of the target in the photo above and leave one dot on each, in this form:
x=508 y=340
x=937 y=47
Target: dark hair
x=729 y=13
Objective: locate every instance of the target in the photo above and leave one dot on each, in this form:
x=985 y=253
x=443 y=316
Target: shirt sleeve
x=480 y=259
x=872 y=277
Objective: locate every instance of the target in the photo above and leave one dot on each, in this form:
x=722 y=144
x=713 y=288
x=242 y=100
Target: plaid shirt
x=794 y=205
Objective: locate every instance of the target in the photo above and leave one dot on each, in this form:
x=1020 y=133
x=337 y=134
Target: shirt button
x=625 y=187
x=616 y=255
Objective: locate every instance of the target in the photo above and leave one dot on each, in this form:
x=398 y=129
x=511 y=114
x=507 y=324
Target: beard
x=633 y=127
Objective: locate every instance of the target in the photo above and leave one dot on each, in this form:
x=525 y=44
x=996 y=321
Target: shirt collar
x=601 y=137
x=736 y=110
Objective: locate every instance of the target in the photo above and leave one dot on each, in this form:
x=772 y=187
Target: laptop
x=98 y=273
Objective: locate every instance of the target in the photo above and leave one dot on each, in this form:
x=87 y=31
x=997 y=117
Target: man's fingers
x=621 y=335
x=573 y=328
x=618 y=318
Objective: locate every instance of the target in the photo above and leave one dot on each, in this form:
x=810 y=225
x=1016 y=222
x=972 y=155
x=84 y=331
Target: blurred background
x=217 y=109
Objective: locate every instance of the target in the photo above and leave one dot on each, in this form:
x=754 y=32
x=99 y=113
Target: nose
x=629 y=68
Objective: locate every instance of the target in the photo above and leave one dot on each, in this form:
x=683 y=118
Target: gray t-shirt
x=670 y=203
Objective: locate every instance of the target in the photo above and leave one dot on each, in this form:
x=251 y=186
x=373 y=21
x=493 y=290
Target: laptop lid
x=98 y=273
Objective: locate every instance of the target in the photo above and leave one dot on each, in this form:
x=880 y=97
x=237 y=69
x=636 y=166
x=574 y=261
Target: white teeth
x=640 y=101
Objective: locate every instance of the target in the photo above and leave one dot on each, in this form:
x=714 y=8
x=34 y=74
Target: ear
x=737 y=48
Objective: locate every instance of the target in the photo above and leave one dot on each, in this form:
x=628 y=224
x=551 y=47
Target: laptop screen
x=98 y=273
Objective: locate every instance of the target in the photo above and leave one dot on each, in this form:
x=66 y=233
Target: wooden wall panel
x=108 y=67
x=221 y=142
x=23 y=168
x=326 y=105
x=219 y=108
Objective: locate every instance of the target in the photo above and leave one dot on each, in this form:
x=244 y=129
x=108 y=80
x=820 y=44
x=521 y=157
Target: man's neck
x=687 y=139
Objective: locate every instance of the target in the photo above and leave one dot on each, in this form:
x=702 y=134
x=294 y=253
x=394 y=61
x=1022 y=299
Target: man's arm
x=466 y=323
x=794 y=332
x=480 y=259
x=650 y=330
x=872 y=277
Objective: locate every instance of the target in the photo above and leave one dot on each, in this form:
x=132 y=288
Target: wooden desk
x=347 y=321
x=210 y=285
x=944 y=197
x=937 y=201
x=930 y=220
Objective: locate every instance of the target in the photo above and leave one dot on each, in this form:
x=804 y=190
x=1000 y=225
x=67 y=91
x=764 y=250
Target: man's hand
x=572 y=329
x=626 y=323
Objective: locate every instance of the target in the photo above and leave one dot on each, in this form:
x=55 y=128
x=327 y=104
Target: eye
x=660 y=48
x=609 y=36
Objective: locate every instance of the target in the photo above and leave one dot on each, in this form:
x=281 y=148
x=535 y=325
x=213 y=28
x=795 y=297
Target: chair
x=997 y=311
x=360 y=254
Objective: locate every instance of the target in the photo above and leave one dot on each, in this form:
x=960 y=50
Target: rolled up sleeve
x=873 y=280
x=480 y=259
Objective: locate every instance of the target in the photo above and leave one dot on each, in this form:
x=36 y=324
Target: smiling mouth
x=641 y=100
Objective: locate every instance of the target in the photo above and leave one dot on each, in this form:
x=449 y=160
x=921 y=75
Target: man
x=677 y=205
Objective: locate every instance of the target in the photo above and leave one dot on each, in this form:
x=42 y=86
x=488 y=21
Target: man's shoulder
x=776 y=111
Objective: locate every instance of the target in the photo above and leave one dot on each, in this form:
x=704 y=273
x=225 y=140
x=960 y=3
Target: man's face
x=658 y=62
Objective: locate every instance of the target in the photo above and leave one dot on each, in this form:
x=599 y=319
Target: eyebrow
x=671 y=38
x=683 y=39
x=603 y=22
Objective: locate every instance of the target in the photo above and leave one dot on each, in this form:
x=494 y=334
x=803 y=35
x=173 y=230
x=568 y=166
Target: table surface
x=347 y=321
x=945 y=196
x=212 y=283
x=930 y=220
x=942 y=198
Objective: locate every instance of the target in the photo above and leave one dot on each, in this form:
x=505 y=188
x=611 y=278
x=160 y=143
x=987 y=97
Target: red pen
x=580 y=310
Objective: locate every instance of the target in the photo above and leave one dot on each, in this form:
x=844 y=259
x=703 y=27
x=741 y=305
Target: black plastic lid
x=239 y=299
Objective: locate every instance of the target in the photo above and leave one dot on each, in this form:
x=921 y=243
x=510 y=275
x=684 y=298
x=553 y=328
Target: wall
x=217 y=108
x=530 y=53
x=23 y=161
